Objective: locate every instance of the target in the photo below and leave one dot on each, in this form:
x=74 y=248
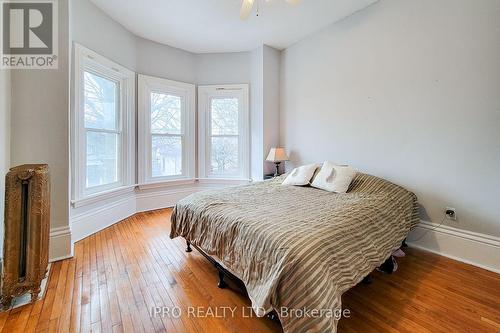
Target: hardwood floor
x=120 y=273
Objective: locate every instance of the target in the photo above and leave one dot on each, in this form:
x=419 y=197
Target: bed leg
x=387 y=266
x=367 y=279
x=222 y=284
x=188 y=248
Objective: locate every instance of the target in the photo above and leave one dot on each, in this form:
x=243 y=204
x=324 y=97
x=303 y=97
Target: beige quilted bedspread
x=298 y=247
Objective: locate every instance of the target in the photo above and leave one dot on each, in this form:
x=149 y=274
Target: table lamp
x=277 y=155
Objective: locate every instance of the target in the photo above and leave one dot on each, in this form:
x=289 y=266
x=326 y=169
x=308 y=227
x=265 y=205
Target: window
x=102 y=138
x=102 y=130
x=166 y=127
x=224 y=143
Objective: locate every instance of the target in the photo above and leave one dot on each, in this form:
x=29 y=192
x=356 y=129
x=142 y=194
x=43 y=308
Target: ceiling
x=205 y=26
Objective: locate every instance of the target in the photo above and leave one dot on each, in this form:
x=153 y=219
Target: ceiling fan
x=247 y=5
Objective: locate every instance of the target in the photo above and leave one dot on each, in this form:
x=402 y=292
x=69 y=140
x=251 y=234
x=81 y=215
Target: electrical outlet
x=450 y=213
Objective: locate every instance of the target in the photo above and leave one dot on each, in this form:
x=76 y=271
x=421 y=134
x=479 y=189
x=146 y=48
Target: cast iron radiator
x=27 y=223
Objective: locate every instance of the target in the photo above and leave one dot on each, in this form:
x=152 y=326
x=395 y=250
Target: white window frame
x=147 y=85
x=205 y=94
x=88 y=60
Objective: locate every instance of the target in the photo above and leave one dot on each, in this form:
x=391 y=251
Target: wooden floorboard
x=119 y=274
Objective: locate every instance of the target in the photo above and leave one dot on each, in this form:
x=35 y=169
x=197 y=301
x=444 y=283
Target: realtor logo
x=29 y=34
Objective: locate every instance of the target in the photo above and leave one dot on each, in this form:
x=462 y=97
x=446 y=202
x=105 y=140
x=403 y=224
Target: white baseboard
x=151 y=199
x=161 y=199
x=466 y=246
x=91 y=221
x=60 y=245
x=98 y=217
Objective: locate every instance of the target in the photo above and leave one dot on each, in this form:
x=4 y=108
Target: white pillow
x=334 y=178
x=300 y=176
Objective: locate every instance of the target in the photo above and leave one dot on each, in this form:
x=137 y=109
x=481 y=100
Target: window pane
x=224 y=156
x=102 y=158
x=100 y=102
x=224 y=116
x=165 y=114
x=166 y=156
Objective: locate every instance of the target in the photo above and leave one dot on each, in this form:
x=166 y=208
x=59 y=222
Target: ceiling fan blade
x=246 y=9
x=293 y=2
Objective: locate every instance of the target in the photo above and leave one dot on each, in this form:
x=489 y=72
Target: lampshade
x=277 y=155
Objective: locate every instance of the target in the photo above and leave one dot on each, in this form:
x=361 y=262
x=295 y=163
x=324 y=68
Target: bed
x=298 y=247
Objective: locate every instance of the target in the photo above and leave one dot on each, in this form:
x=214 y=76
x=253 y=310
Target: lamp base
x=277 y=173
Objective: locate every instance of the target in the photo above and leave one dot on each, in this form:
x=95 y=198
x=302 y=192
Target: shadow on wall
x=423 y=213
x=295 y=160
x=424 y=234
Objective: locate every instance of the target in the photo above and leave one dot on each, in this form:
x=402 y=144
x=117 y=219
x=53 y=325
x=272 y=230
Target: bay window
x=103 y=130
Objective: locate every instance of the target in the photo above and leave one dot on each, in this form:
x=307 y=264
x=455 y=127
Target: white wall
x=95 y=30
x=271 y=103
x=164 y=61
x=409 y=91
x=257 y=114
x=4 y=143
x=264 y=100
x=40 y=126
x=223 y=68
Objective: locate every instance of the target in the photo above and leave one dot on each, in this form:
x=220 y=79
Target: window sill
x=166 y=183
x=192 y=181
x=224 y=181
x=169 y=184
x=98 y=197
